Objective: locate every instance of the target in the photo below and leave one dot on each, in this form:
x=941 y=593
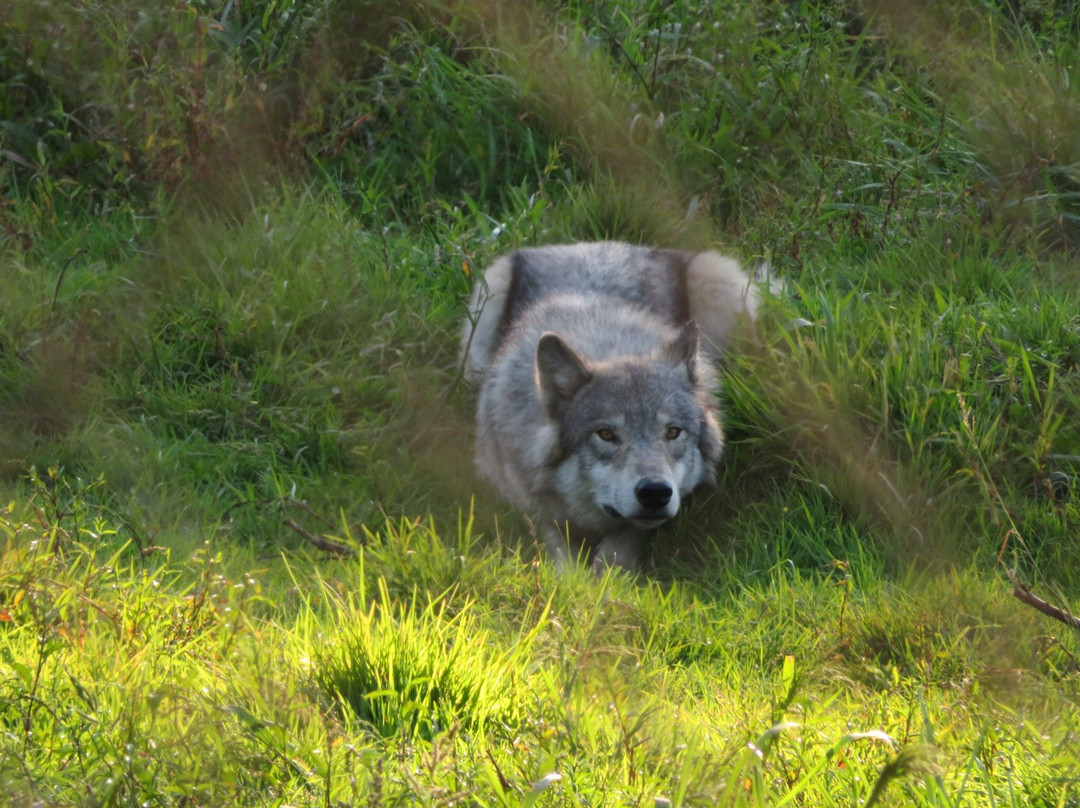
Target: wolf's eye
x=606 y=434
x=673 y=432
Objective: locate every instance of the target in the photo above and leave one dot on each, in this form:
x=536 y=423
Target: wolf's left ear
x=560 y=372
x=683 y=350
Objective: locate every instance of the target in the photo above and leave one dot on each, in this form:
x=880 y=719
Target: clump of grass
x=410 y=668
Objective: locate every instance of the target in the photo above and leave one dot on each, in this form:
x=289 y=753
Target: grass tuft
x=410 y=670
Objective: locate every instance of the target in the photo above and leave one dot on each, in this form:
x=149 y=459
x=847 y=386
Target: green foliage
x=234 y=241
x=104 y=680
x=130 y=677
x=410 y=670
x=949 y=394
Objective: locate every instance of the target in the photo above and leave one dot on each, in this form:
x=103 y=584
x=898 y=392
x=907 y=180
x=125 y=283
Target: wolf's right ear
x=683 y=350
x=559 y=371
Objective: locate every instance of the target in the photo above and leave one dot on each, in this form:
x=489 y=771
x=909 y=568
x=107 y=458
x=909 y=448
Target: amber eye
x=673 y=432
x=606 y=434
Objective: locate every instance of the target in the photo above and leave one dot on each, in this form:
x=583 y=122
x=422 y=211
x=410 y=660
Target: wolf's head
x=635 y=434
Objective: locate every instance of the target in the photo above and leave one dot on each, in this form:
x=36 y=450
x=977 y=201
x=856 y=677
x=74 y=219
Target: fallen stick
x=323 y=544
x=1022 y=593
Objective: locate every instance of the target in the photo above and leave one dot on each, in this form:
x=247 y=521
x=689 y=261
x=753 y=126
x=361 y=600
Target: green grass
x=235 y=239
x=144 y=678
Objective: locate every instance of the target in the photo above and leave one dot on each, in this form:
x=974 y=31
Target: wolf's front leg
x=557 y=546
x=624 y=548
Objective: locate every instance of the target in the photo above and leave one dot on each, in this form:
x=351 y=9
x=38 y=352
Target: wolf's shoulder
x=672 y=285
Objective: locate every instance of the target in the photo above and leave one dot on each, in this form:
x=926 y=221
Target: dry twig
x=283 y=503
x=1022 y=593
x=320 y=542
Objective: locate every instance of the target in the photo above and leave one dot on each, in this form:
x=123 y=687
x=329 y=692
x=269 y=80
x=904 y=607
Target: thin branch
x=1023 y=594
x=303 y=506
x=323 y=544
x=284 y=503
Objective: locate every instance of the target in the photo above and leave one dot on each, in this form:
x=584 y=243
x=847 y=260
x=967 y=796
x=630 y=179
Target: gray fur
x=597 y=409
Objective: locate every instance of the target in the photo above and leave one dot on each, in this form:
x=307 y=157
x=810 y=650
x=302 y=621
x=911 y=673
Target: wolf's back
x=676 y=286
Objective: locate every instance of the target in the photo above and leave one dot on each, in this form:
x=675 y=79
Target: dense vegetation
x=235 y=238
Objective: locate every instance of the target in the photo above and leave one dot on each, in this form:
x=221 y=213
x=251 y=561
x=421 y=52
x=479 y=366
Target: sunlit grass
x=234 y=242
x=129 y=677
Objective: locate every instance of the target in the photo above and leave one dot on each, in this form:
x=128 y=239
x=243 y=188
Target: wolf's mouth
x=640 y=520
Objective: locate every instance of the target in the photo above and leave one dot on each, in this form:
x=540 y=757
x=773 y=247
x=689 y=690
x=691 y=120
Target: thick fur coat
x=597 y=405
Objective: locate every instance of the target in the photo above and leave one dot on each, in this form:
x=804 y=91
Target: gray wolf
x=597 y=408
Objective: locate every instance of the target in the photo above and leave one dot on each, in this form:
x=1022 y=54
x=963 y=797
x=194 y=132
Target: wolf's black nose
x=653 y=494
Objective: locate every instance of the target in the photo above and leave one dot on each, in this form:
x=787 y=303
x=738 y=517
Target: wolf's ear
x=683 y=350
x=560 y=371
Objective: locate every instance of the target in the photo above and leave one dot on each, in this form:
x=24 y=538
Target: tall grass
x=129 y=678
x=234 y=242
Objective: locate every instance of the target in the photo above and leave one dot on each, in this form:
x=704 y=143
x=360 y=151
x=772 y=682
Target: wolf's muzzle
x=653 y=494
